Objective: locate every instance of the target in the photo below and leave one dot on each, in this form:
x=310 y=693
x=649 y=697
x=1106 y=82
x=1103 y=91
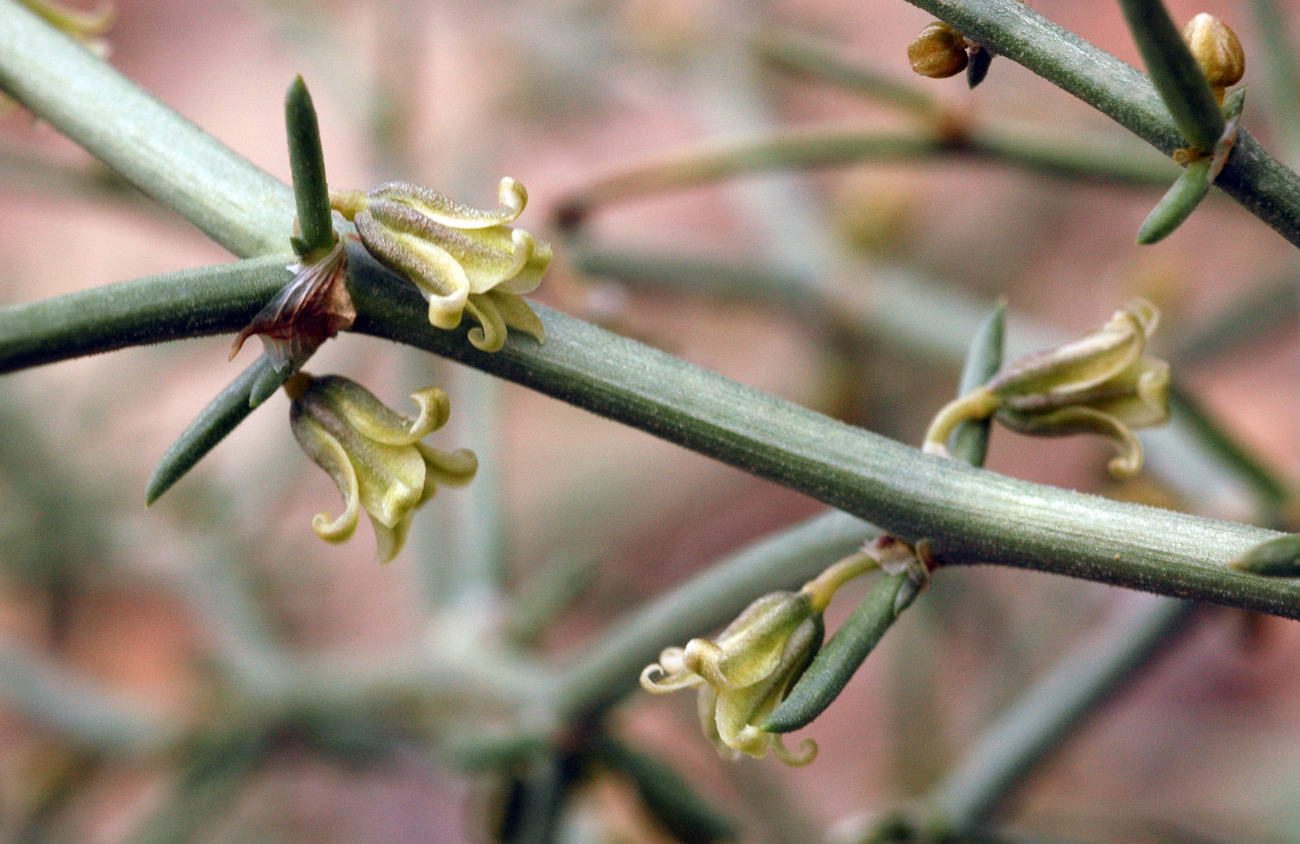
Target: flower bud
x=1216 y=49
x=460 y=258
x=373 y=454
x=745 y=673
x=938 y=52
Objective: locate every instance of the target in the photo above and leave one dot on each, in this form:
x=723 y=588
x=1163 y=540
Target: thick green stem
x=1264 y=186
x=150 y=310
x=971 y=516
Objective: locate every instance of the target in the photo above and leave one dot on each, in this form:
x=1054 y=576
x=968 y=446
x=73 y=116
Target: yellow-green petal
x=326 y=452
x=510 y=193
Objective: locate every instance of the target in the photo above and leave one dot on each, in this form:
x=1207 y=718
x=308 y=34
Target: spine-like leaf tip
x=970 y=439
x=1177 y=204
x=222 y=415
x=307 y=164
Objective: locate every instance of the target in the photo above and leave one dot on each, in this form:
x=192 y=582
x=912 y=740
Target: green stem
x=803 y=55
x=1174 y=73
x=971 y=516
x=1053 y=708
x=137 y=312
x=50 y=695
x=307 y=163
x=827 y=147
x=239 y=206
x=1264 y=186
x=1271 y=493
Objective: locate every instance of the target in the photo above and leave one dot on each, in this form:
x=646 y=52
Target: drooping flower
x=745 y=673
x=374 y=454
x=462 y=259
x=1103 y=383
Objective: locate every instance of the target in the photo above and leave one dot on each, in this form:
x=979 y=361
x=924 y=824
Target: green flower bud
x=938 y=52
x=373 y=454
x=1216 y=49
x=745 y=673
x=1103 y=383
x=461 y=259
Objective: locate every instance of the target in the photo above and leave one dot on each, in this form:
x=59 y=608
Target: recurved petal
x=517 y=313
x=490 y=335
x=806 y=753
x=537 y=257
x=389 y=540
x=453 y=468
x=326 y=452
x=1080 y=419
x=510 y=193
x=376 y=420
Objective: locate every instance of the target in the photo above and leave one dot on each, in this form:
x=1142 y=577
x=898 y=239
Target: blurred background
x=139 y=648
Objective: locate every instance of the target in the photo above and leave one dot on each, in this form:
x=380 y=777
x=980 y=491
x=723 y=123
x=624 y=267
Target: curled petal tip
x=806 y=753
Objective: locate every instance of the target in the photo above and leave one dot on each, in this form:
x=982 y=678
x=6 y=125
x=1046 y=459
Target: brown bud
x=1216 y=49
x=939 y=51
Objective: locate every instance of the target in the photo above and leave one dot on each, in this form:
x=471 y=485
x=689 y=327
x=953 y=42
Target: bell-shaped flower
x=745 y=673
x=373 y=454
x=462 y=259
x=1103 y=383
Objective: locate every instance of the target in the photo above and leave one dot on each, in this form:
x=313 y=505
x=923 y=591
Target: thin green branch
x=808 y=148
x=1053 y=708
x=1258 y=309
x=56 y=698
x=1262 y=184
x=1174 y=73
x=970 y=439
x=803 y=55
x=1270 y=491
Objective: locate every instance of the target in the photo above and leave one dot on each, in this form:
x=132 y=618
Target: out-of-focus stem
x=809 y=148
x=803 y=55
x=1053 y=708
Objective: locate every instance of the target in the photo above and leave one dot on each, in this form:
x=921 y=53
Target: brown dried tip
x=311 y=308
x=1216 y=49
x=938 y=52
